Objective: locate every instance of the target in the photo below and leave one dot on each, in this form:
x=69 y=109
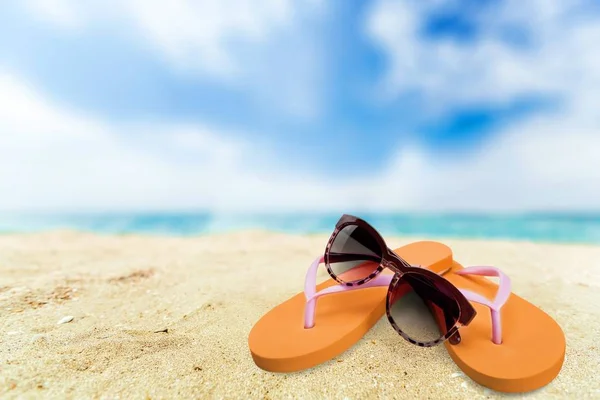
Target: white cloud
x=559 y=59
x=62 y=12
x=54 y=158
x=549 y=161
x=257 y=46
x=195 y=34
x=532 y=166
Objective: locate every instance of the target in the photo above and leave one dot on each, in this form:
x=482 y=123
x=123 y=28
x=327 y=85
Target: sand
x=163 y=317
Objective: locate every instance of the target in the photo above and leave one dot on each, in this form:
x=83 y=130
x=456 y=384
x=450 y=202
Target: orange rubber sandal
x=506 y=344
x=518 y=348
x=297 y=335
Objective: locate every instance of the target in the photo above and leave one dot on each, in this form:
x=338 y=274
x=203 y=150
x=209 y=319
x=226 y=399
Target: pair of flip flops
x=509 y=346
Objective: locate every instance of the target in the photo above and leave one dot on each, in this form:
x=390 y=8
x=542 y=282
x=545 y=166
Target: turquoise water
x=582 y=228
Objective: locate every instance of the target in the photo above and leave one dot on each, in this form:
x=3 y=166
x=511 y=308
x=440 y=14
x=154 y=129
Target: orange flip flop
x=300 y=334
x=510 y=345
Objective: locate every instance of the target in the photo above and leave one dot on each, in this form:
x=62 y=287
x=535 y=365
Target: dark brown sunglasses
x=422 y=306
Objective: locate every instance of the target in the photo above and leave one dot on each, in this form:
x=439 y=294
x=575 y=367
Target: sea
x=535 y=227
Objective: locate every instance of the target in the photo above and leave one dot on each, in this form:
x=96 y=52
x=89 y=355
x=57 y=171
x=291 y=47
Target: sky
x=240 y=105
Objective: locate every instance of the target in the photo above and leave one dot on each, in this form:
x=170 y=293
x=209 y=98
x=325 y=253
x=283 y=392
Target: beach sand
x=164 y=317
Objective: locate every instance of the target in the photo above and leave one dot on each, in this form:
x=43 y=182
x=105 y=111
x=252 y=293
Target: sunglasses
x=423 y=307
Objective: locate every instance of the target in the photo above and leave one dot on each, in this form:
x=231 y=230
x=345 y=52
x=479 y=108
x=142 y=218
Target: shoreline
x=207 y=291
x=324 y=235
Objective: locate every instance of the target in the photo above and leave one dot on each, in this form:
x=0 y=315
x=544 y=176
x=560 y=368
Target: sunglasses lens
x=355 y=254
x=424 y=309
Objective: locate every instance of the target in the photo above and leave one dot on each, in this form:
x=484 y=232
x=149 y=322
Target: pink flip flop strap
x=504 y=290
x=311 y=294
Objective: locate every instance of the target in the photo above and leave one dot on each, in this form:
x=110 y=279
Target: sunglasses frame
x=389 y=259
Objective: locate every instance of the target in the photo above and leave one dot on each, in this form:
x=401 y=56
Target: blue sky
x=401 y=105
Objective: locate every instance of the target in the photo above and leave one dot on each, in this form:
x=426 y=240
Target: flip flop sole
x=279 y=342
x=533 y=344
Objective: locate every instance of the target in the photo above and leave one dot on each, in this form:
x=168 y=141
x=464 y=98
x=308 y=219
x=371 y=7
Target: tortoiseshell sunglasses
x=422 y=306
